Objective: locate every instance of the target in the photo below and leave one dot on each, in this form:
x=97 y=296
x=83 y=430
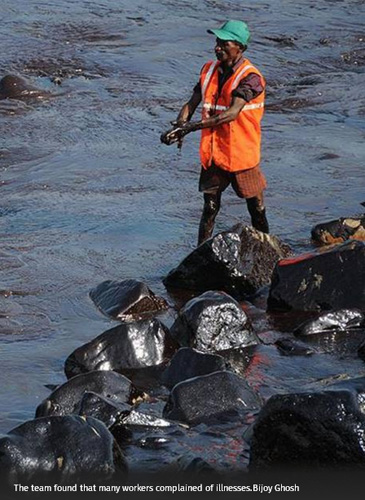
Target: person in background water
x=232 y=90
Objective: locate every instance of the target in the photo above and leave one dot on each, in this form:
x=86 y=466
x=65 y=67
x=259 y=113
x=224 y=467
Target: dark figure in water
x=232 y=91
x=14 y=87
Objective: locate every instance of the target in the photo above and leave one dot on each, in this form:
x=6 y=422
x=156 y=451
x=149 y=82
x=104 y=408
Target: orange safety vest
x=236 y=145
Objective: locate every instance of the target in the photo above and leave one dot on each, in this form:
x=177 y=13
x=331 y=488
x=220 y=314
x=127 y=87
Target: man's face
x=227 y=51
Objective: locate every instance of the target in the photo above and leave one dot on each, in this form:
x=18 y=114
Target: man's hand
x=176 y=133
x=183 y=127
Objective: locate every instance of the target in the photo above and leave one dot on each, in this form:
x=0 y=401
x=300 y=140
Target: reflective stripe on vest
x=247 y=107
x=238 y=77
x=208 y=77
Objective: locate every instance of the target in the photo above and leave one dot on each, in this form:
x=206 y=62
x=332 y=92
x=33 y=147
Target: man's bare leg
x=257 y=211
x=212 y=203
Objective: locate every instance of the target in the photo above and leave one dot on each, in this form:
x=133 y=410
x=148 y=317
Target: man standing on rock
x=232 y=91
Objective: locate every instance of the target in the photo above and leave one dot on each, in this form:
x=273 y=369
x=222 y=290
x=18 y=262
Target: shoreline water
x=89 y=194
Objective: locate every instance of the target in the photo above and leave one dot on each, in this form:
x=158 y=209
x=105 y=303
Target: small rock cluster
x=200 y=367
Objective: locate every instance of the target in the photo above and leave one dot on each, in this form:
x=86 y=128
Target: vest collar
x=234 y=68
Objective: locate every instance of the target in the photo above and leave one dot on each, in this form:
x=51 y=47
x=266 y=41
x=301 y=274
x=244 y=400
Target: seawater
x=88 y=193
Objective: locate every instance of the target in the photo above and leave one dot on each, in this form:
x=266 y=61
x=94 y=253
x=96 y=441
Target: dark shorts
x=246 y=183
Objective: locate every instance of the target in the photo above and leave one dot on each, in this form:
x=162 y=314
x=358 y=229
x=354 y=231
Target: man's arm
x=189 y=108
x=226 y=116
x=173 y=135
x=184 y=128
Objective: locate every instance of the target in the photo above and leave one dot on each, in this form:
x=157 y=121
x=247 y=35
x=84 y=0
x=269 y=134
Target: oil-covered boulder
x=290 y=347
x=188 y=467
x=214 y=321
x=334 y=321
x=322 y=280
x=126 y=300
x=188 y=363
x=15 y=87
x=354 y=385
x=120 y=418
x=309 y=430
x=361 y=351
x=125 y=348
x=339 y=230
x=60 y=449
x=66 y=399
x=211 y=398
x=238 y=261
x=102 y=408
x=137 y=419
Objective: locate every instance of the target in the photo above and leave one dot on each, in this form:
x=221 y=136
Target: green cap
x=233 y=30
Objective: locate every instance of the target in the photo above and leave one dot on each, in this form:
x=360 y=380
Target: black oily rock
x=334 y=321
x=188 y=363
x=137 y=419
x=322 y=280
x=60 y=449
x=238 y=261
x=197 y=468
x=126 y=300
x=14 y=87
x=66 y=399
x=313 y=430
x=153 y=442
x=354 y=385
x=211 y=398
x=339 y=230
x=289 y=347
x=214 y=321
x=132 y=423
x=129 y=346
x=361 y=351
x=96 y=406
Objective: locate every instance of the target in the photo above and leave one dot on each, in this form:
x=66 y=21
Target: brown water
x=88 y=193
